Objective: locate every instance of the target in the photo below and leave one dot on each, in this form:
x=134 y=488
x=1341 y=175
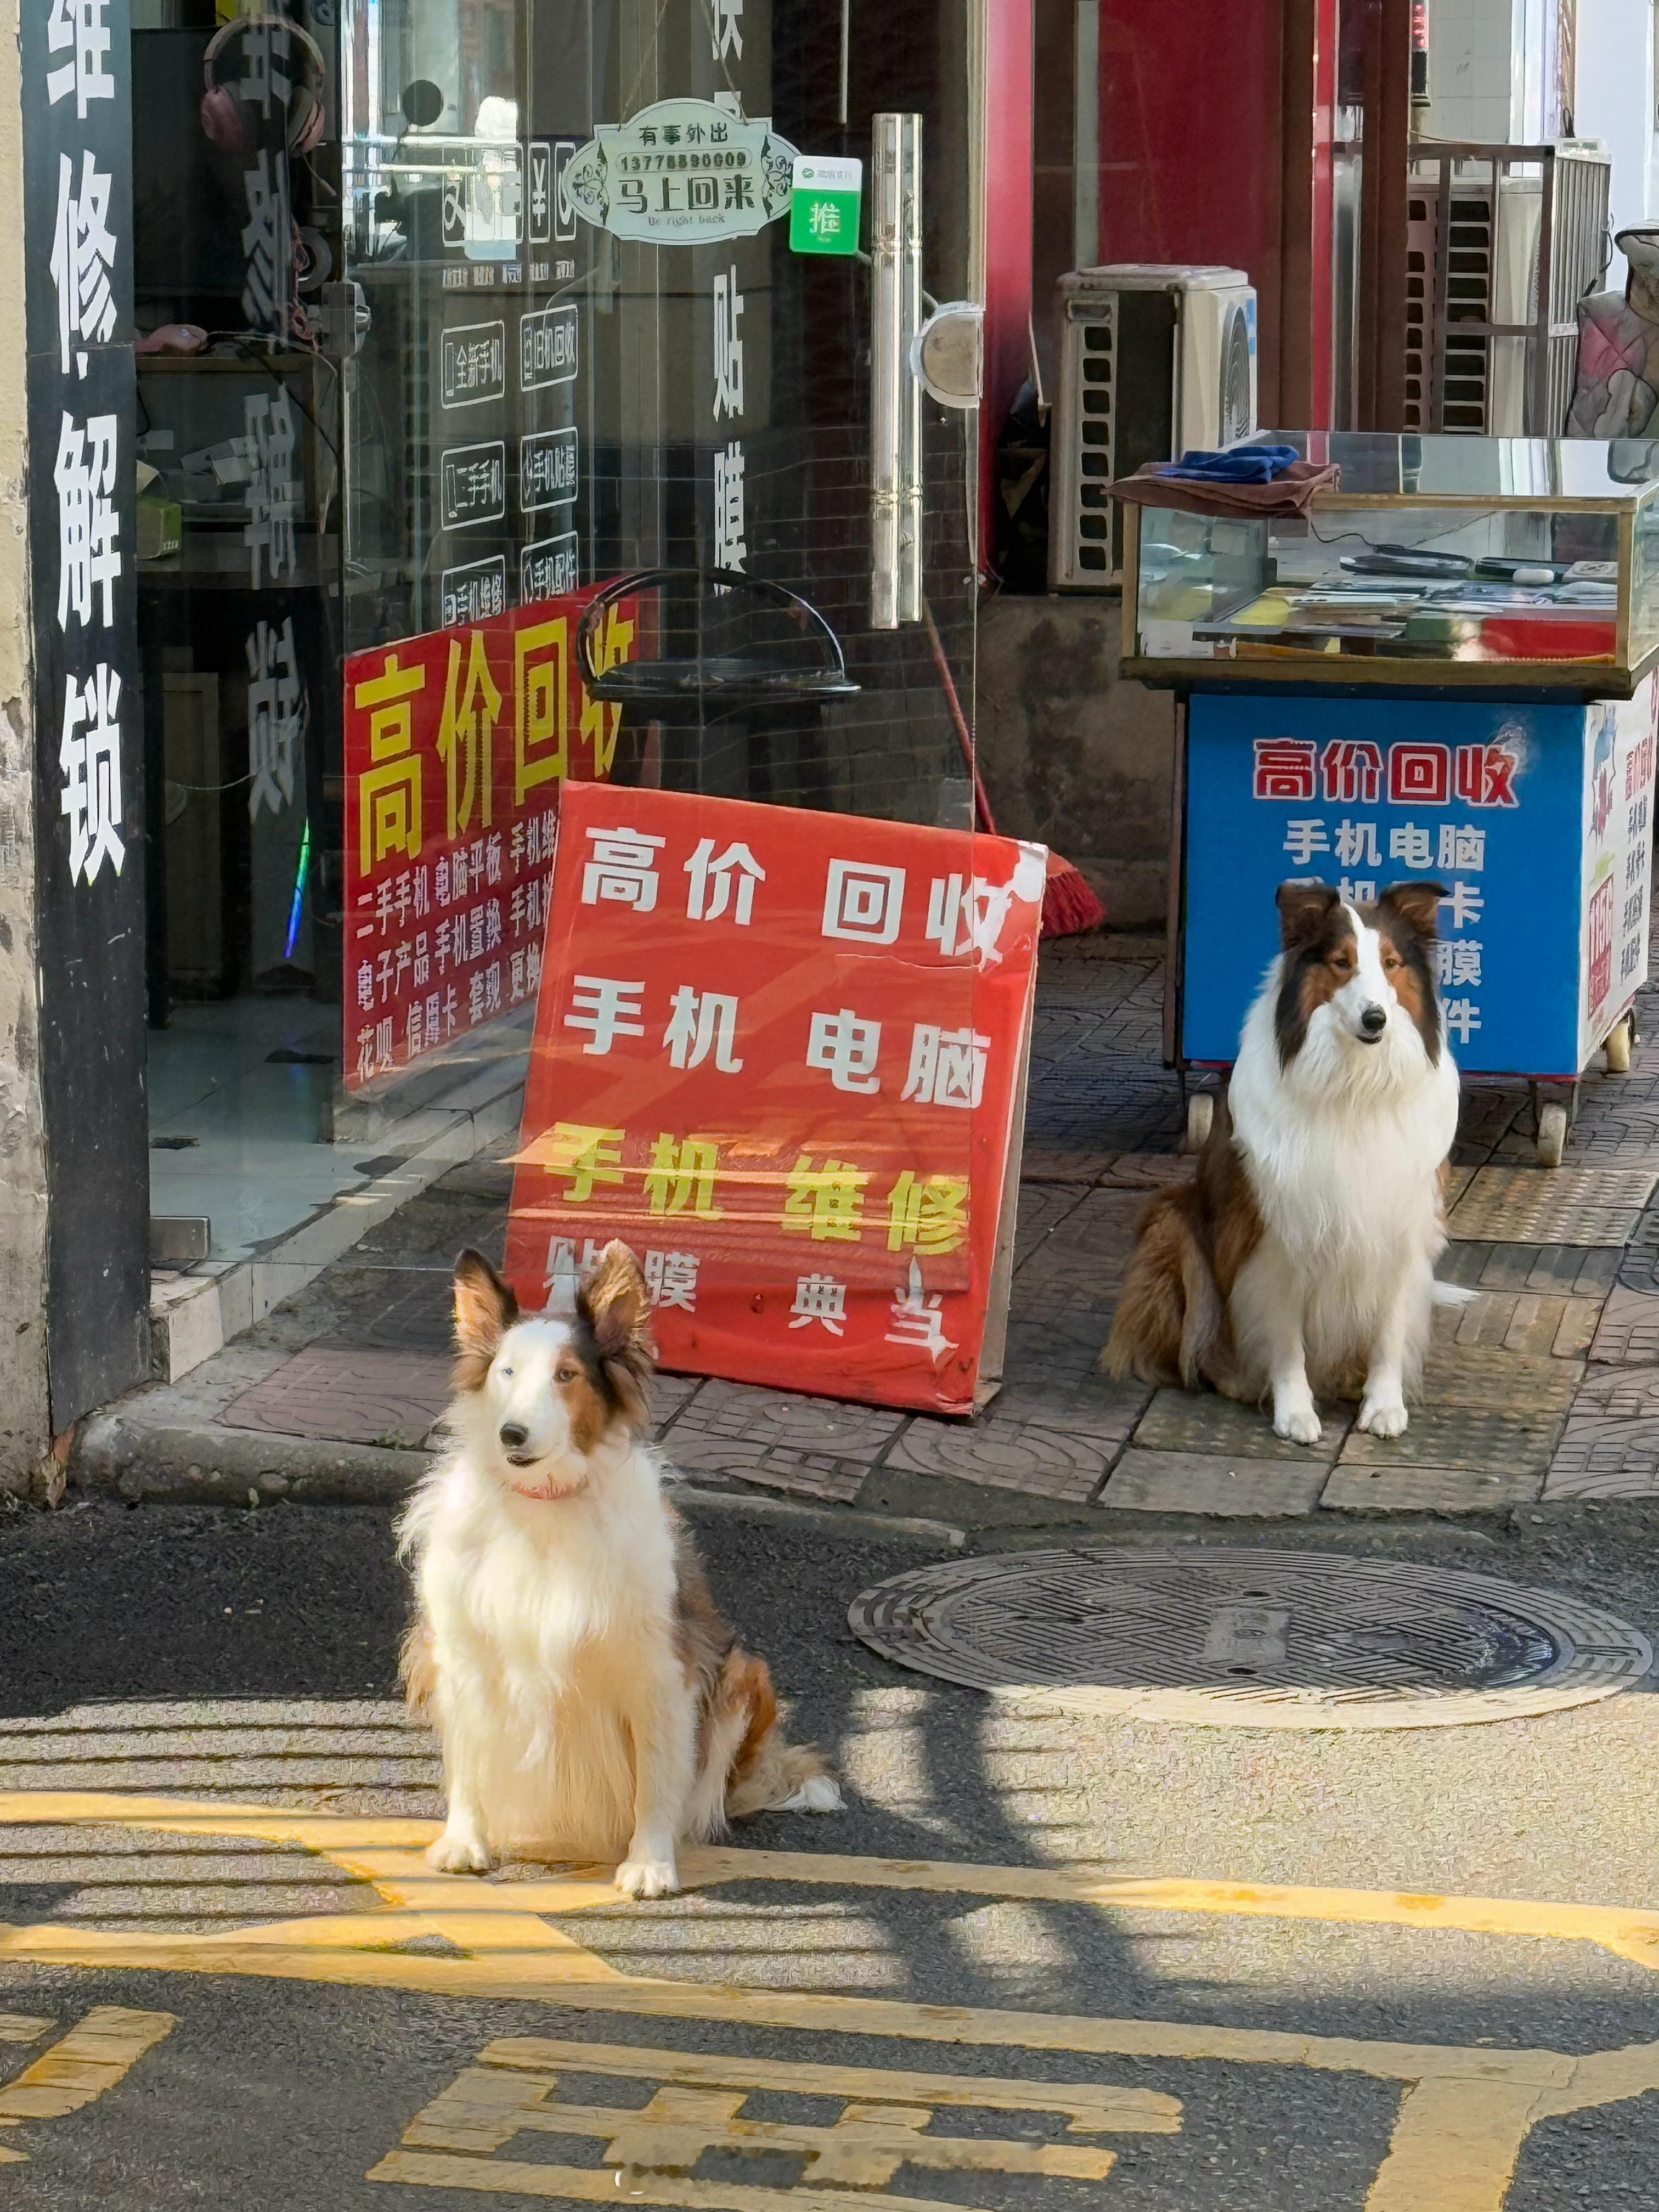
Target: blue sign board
x=1535 y=818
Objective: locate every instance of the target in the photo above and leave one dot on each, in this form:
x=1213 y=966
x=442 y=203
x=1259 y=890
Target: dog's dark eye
x=566 y=1375
x=507 y=1374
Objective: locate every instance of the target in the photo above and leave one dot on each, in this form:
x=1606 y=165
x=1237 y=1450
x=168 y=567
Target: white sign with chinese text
x=682 y=172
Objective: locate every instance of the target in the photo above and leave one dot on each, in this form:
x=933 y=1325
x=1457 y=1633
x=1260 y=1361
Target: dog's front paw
x=1301 y=1423
x=1383 y=1417
x=459 y=1852
x=647 y=1877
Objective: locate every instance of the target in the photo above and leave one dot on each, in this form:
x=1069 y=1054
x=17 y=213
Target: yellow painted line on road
x=1462 y=2119
x=389 y=1855
x=99 y=2051
x=1629 y=1935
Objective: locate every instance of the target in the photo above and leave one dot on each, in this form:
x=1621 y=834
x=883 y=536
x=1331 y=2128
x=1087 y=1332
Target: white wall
x=1614 y=103
x=1471 y=49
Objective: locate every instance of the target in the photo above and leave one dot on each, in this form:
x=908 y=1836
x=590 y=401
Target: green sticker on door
x=824 y=205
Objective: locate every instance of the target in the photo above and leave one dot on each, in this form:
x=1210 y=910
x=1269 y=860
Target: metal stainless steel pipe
x=895 y=395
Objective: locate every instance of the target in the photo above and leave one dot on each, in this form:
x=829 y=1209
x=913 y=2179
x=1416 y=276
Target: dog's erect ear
x=1417 y=905
x=1304 y=909
x=617 y=1306
x=485 y=1309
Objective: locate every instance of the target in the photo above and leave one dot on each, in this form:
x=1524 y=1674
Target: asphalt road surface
x=1396 y=1971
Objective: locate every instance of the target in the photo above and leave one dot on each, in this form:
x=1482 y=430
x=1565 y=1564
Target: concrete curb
x=844 y=1519
x=145 y=1463
x=154 y=1464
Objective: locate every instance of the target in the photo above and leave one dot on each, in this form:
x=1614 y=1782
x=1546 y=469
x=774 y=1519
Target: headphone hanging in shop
x=223 y=107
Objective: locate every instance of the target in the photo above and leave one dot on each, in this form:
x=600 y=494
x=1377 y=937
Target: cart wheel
x=1200 y=1113
x=1619 y=1039
x=1552 y=1134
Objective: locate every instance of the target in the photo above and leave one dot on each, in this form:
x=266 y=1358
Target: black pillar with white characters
x=89 y=806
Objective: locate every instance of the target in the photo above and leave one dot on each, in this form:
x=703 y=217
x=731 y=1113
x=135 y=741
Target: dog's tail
x=415 y=1667
x=1170 y=1317
x=747 y=1766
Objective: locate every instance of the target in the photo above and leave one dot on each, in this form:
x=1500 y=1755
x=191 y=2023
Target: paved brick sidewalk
x=1544 y=1388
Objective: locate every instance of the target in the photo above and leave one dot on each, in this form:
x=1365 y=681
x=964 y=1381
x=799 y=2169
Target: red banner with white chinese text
x=456 y=745
x=778 y=1053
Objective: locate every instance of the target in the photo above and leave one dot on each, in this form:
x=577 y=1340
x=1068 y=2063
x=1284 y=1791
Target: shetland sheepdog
x=1301 y=1258
x=591 y=1702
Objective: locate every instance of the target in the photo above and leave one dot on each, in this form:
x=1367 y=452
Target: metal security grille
x=1502 y=244
x=1251 y=1638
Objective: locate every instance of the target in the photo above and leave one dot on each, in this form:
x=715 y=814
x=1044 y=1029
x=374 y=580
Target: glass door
x=586 y=348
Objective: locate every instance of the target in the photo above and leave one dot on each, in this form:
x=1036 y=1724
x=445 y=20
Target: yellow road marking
x=1090 y=2107
x=92 y=2057
x=697 y=2104
x=588 y=2185
x=389 y=1854
x=1462 y=2119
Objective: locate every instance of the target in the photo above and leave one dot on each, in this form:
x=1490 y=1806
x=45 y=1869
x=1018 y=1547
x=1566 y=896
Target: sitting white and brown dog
x=1301 y=1257
x=591 y=1701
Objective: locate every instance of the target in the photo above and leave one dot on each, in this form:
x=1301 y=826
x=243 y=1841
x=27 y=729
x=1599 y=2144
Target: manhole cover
x=1251 y=1639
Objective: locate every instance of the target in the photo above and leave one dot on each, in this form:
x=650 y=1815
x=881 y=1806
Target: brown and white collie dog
x=591 y=1701
x=1301 y=1259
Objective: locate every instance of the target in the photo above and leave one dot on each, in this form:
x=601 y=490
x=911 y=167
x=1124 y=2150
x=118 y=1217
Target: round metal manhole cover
x=1251 y=1639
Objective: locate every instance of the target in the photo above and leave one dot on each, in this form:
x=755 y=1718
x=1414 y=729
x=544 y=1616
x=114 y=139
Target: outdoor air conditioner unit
x=1153 y=361
x=1484 y=353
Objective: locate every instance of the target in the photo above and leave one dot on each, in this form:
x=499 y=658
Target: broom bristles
x=1069 y=906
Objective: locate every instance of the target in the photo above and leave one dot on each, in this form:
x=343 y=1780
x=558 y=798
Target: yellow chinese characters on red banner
x=779 y=1053
x=456 y=746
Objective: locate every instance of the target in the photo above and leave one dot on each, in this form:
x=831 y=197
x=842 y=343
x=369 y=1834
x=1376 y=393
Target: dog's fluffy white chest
x=1343 y=1157
x=551 y=1622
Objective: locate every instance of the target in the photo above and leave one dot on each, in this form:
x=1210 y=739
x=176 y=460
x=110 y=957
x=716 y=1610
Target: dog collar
x=545 y=1497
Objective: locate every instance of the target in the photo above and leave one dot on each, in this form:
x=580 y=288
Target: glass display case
x=1492 y=562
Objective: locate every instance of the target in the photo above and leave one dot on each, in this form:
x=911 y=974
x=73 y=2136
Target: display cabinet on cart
x=1443 y=668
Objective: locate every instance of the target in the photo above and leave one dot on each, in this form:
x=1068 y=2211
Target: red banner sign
x=778 y=1053
x=456 y=745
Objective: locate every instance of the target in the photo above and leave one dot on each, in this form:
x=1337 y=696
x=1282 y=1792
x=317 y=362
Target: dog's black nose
x=1373 y=1021
x=513 y=1434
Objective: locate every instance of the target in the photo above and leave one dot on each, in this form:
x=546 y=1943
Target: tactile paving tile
x=348 y=1394
x=1454 y=1181
x=1198 y=1421
x=1428 y=1489
x=1007 y=1455
x=1610 y=1446
x=1528 y=1322
x=1476 y=1437
x=723 y=1415
x=1627 y=1334
x=1563 y=1206
x=1573 y=1270
x=1483 y=1376
x=1205 y=1482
